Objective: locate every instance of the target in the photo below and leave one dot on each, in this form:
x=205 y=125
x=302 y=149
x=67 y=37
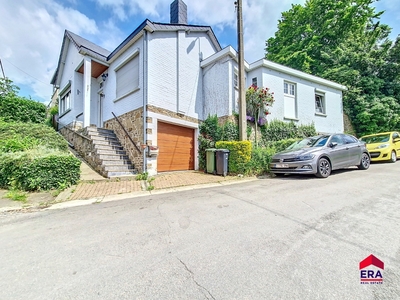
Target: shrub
x=259 y=162
x=38 y=169
x=17 y=109
x=281 y=145
x=239 y=154
x=17 y=136
x=279 y=130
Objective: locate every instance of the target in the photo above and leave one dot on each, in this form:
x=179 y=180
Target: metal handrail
x=126 y=132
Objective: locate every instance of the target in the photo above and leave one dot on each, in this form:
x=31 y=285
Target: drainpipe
x=145 y=95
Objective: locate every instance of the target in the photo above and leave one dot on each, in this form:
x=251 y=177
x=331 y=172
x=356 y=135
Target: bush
x=17 y=109
x=259 y=162
x=279 y=130
x=17 y=136
x=38 y=169
x=279 y=146
x=239 y=154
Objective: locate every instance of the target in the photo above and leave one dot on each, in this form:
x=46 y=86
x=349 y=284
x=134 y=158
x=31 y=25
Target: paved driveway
x=290 y=238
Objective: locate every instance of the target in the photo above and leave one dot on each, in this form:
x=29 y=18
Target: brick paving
x=92 y=189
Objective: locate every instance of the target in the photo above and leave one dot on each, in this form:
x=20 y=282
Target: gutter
x=145 y=95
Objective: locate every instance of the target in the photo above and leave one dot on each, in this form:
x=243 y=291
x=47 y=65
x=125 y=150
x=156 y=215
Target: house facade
x=163 y=79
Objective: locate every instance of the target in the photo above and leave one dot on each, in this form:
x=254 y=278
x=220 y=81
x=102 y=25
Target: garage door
x=176 y=148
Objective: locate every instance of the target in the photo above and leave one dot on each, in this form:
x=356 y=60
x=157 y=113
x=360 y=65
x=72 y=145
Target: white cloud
x=31 y=34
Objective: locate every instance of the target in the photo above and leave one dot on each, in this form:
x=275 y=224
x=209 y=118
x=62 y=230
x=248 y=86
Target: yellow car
x=383 y=146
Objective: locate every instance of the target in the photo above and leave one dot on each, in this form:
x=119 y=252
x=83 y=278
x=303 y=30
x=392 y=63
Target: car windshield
x=320 y=142
x=381 y=138
x=307 y=142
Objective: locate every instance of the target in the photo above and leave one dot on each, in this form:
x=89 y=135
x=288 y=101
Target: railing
x=126 y=132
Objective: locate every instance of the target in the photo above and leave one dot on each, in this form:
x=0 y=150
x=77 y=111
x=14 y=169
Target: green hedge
x=17 y=109
x=279 y=130
x=239 y=154
x=17 y=136
x=38 y=169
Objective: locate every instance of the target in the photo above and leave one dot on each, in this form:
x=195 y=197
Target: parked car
x=326 y=153
x=383 y=146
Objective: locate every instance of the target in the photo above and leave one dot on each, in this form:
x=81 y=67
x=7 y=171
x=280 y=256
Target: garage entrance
x=176 y=144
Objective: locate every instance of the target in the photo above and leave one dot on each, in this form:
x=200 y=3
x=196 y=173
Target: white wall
x=174 y=65
x=305 y=98
x=72 y=60
x=130 y=102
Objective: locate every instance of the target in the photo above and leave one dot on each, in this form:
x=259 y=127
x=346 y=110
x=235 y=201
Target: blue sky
x=31 y=31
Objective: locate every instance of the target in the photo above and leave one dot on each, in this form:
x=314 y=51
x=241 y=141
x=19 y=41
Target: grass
x=17 y=195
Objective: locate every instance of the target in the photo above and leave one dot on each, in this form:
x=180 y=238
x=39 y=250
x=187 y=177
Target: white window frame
x=235 y=79
x=289 y=89
x=320 y=104
x=124 y=73
x=65 y=100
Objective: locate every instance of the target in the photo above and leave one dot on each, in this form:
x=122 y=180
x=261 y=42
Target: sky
x=31 y=31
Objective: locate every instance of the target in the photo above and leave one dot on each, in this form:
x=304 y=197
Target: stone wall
x=133 y=124
x=84 y=146
x=171 y=114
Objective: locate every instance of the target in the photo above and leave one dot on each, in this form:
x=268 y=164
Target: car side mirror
x=395 y=140
x=333 y=144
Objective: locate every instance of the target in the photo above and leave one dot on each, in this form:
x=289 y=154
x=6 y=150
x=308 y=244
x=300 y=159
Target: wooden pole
x=241 y=75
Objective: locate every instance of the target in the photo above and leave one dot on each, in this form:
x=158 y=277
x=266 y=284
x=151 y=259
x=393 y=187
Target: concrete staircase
x=109 y=152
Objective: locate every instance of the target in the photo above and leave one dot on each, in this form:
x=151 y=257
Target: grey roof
x=80 y=42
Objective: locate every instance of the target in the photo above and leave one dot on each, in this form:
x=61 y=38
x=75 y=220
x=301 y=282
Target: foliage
x=142 y=176
x=16 y=195
x=211 y=132
x=17 y=136
x=258 y=102
x=19 y=109
x=239 y=154
x=278 y=130
x=259 y=162
x=281 y=145
x=38 y=169
x=344 y=41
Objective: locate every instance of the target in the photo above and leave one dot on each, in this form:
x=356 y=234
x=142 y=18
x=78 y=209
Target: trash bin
x=222 y=161
x=210 y=160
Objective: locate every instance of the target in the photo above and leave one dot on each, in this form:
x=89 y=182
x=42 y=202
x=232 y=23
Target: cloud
x=31 y=34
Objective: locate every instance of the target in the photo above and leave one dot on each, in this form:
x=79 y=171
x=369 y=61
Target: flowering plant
x=258 y=102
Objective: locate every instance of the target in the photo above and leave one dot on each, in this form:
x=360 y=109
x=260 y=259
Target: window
x=319 y=104
x=65 y=102
x=254 y=81
x=128 y=77
x=289 y=98
x=235 y=80
x=289 y=89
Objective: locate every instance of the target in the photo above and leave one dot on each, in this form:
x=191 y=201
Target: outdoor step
x=112 y=143
x=113 y=157
x=110 y=152
x=104 y=138
x=99 y=130
x=112 y=174
x=118 y=168
x=108 y=147
x=98 y=134
x=116 y=162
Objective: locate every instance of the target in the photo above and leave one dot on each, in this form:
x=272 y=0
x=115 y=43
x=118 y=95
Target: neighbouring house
x=139 y=106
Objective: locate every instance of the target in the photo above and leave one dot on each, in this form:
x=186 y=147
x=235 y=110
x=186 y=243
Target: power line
x=24 y=72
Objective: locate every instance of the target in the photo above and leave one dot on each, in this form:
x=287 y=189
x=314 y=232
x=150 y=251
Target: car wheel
x=365 y=162
x=393 y=157
x=323 y=168
x=279 y=174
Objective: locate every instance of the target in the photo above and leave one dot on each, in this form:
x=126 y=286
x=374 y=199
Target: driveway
x=290 y=238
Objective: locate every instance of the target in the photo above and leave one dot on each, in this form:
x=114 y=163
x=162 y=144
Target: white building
x=164 y=79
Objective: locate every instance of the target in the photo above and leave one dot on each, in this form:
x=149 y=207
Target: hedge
x=17 y=136
x=38 y=169
x=18 y=109
x=239 y=154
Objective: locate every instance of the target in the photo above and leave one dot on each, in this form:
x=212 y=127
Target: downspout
x=145 y=96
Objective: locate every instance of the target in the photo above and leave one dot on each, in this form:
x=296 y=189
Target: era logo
x=373 y=276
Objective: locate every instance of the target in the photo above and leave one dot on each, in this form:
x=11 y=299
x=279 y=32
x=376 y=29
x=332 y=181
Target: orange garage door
x=176 y=146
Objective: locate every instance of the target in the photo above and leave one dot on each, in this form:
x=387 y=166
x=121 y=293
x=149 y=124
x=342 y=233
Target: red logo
x=369 y=270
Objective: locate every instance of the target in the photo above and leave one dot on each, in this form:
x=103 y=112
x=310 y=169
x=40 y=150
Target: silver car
x=322 y=154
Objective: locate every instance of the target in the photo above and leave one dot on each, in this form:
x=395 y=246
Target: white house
x=164 y=79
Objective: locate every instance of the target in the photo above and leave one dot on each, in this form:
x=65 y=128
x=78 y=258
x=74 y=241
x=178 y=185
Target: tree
x=342 y=41
x=7 y=88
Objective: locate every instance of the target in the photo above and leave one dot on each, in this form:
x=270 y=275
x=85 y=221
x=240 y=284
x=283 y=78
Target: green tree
x=343 y=41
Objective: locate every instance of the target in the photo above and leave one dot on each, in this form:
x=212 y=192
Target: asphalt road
x=278 y=238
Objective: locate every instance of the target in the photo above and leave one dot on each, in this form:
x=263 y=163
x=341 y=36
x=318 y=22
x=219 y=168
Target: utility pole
x=1 y=65
x=241 y=83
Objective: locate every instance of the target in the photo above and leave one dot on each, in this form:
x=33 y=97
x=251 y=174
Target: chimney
x=178 y=10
